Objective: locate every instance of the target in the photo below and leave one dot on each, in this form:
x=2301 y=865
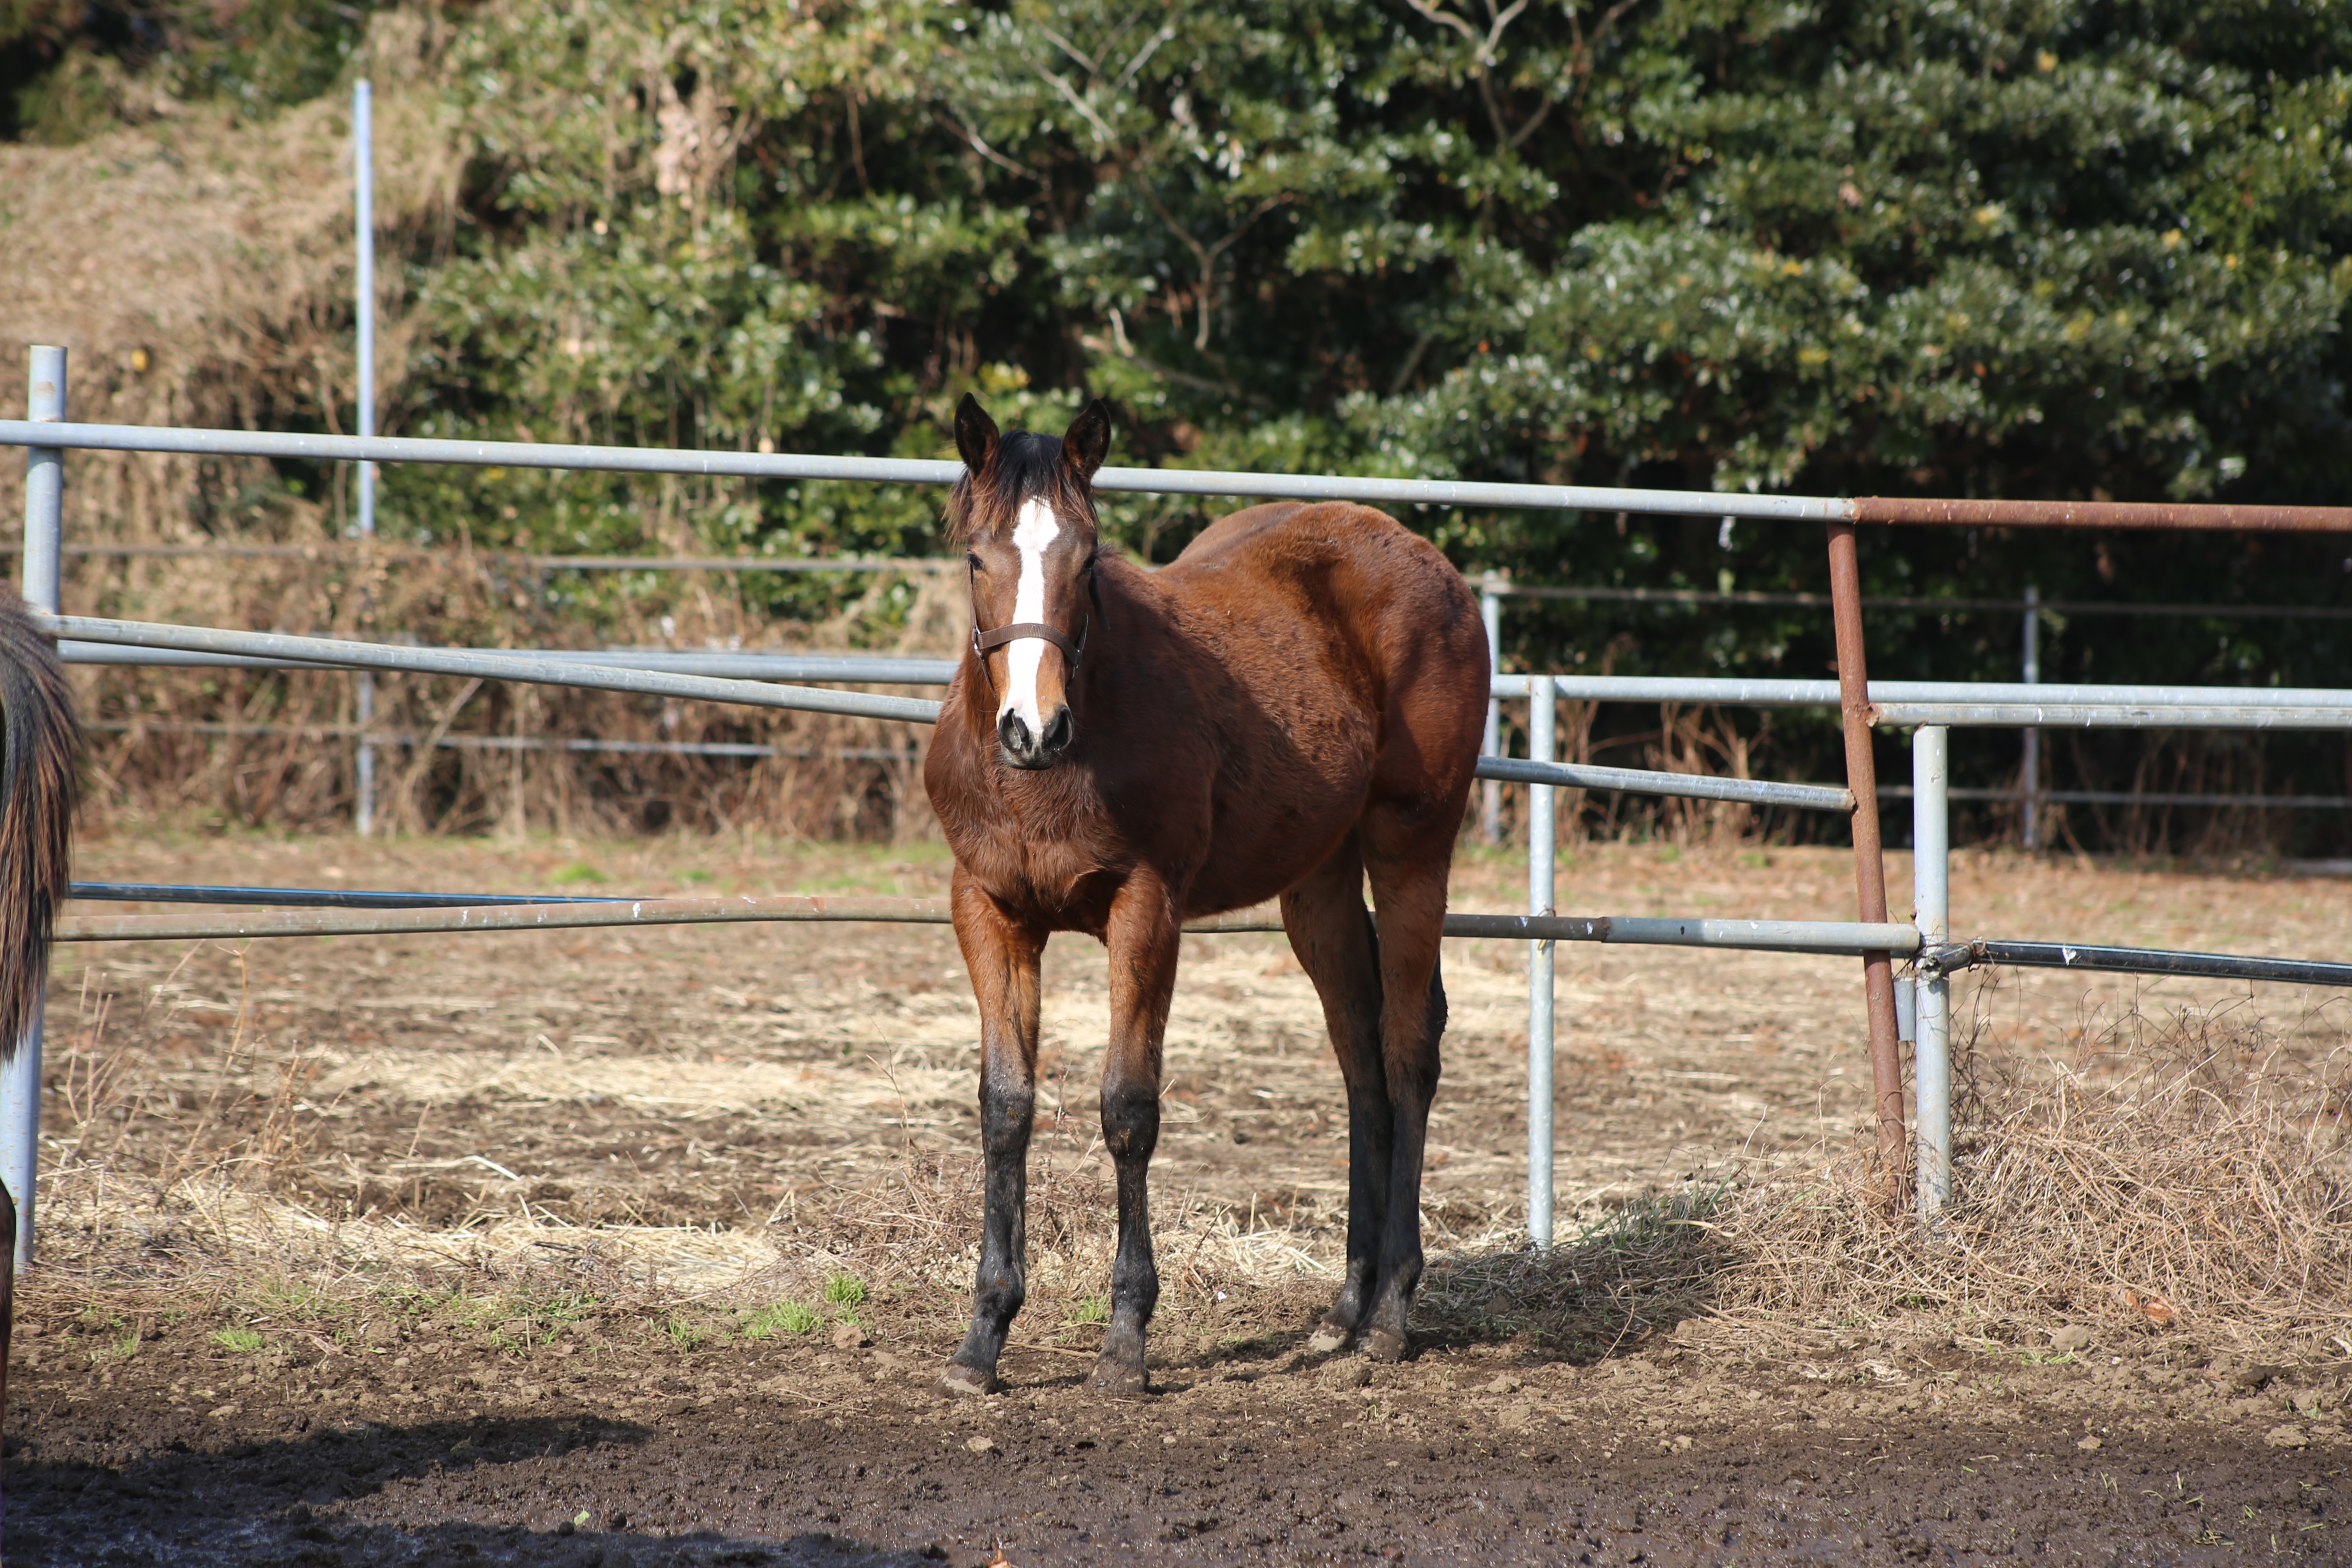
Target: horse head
x=1024 y=511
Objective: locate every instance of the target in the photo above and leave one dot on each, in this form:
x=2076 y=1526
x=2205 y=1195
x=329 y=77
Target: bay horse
x=1290 y=707
x=40 y=754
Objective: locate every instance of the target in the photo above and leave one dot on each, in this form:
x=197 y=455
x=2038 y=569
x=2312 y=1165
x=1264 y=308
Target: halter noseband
x=983 y=641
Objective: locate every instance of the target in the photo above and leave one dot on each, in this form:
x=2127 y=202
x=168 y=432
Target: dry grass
x=255 y=749
x=2183 y=1172
x=2183 y=1176
x=198 y=270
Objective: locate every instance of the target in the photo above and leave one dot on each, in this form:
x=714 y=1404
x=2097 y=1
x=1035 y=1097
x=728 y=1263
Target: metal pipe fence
x=377 y=548
x=1874 y=937
x=747 y=749
x=2031 y=794
x=320 y=448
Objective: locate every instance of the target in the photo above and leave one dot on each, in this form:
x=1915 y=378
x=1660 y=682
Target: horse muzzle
x=1025 y=748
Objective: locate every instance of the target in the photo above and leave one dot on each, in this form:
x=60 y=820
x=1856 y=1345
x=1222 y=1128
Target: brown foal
x=1290 y=707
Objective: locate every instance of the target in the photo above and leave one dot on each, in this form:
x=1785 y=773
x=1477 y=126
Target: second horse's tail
x=40 y=750
x=40 y=756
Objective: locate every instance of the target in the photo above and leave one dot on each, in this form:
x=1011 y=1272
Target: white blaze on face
x=1034 y=530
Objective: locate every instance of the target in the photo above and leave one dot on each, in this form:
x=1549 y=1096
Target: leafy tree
x=2017 y=247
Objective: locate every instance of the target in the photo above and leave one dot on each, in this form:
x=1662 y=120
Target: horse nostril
x=1012 y=733
x=1058 y=728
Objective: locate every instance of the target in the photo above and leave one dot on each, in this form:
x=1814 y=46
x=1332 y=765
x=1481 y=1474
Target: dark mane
x=1026 y=464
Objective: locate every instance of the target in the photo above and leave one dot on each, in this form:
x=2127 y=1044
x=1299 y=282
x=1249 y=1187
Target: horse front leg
x=1144 y=935
x=1003 y=956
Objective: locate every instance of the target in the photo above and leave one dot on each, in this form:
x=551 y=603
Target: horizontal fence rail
x=1503 y=588
x=1955 y=957
x=327 y=653
x=2102 y=716
x=57 y=436
x=314 y=918
x=397 y=738
x=310 y=897
x=725 y=664
x=1773 y=693
x=371 y=546
x=1982 y=704
x=1692 y=786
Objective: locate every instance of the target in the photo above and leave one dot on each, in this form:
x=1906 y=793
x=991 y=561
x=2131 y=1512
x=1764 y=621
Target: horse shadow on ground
x=1609 y=1290
x=271 y=1505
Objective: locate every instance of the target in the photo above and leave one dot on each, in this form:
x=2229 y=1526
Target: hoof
x=1120 y=1381
x=1327 y=1338
x=962 y=1379
x=1382 y=1345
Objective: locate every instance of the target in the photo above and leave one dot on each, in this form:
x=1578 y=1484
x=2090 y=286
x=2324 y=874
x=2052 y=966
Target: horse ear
x=1087 y=440
x=975 y=434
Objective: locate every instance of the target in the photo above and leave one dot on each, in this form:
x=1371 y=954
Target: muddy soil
x=651 y=1096
x=423 y=1445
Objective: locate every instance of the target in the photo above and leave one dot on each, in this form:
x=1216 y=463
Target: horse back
x=1305 y=602
x=1358 y=652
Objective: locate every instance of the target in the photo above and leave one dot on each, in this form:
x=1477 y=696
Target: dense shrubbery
x=2053 y=248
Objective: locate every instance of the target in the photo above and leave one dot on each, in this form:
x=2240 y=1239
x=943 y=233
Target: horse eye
x=975 y=563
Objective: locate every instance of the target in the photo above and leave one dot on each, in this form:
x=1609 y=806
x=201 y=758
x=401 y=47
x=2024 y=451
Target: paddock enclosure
x=394 y=1184
x=509 y=1226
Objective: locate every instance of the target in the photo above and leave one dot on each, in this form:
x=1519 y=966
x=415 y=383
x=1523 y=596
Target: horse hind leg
x=1331 y=933
x=1410 y=896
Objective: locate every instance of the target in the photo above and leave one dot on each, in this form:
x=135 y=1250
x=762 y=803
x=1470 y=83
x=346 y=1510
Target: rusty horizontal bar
x=1991 y=514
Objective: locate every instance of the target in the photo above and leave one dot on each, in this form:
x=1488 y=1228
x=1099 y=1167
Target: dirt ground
x=646 y=1247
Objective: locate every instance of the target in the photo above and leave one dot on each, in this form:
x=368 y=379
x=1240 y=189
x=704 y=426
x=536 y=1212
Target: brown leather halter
x=983 y=641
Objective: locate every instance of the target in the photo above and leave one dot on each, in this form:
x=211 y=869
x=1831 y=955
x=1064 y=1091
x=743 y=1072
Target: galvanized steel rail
x=327 y=653
x=388 y=918
x=317 y=448
x=725 y=664
x=1947 y=959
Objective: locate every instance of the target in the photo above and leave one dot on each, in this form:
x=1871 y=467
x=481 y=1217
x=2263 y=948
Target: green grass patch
x=784 y=1317
x=1090 y=1310
x=578 y=871
x=844 y=1290
x=244 y=1341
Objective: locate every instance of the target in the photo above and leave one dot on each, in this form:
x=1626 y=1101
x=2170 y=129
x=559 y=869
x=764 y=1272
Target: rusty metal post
x=1869 y=861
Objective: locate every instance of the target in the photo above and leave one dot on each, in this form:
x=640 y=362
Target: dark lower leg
x=1130 y=1131
x=1002 y=1283
x=1400 y=1257
x=1370 y=1137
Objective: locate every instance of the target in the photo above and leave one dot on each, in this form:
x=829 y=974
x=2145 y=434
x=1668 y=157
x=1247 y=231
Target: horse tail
x=40 y=752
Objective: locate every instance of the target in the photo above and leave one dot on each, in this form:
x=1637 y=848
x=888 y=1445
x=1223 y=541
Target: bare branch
x=1103 y=134
x=1436 y=13
x=972 y=138
x=1071 y=49
x=1518 y=137
x=1144 y=54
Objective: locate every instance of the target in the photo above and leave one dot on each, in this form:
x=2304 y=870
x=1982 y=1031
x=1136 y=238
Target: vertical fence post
x=1542 y=703
x=363 y=206
x=1490 y=805
x=44 y=483
x=2029 y=772
x=1931 y=898
x=1869 y=863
